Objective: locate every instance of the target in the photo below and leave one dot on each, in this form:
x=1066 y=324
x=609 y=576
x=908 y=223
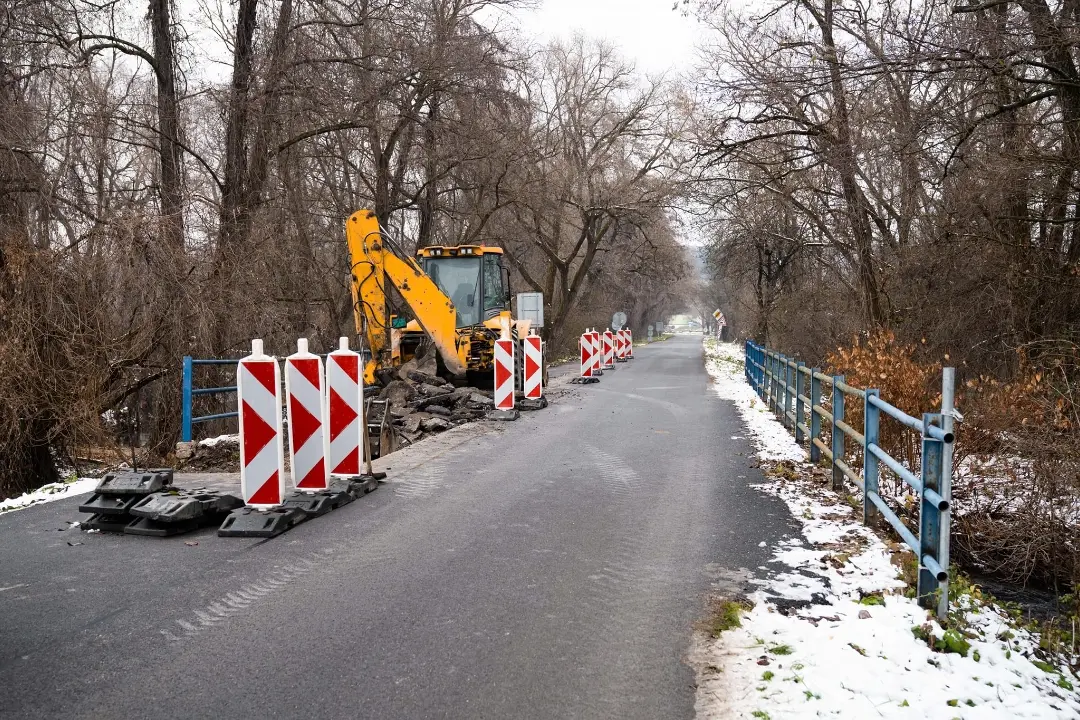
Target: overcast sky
x=649 y=32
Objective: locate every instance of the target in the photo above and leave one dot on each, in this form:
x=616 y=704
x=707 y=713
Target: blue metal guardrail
x=793 y=392
x=190 y=392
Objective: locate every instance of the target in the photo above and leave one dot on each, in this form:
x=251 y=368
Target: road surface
x=552 y=567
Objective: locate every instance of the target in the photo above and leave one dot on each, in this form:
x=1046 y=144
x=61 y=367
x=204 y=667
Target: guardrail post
x=815 y=419
x=746 y=362
x=771 y=393
x=871 y=428
x=800 y=407
x=929 y=515
x=185 y=412
x=781 y=400
x=789 y=386
x=837 y=433
x=948 y=389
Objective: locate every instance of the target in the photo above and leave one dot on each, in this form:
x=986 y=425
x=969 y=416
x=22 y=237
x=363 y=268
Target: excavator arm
x=373 y=265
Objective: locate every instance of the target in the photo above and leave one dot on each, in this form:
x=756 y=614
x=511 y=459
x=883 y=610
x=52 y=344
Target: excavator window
x=494 y=292
x=459 y=279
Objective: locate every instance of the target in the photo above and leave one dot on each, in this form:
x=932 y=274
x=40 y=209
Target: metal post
x=771 y=376
x=815 y=419
x=746 y=362
x=837 y=433
x=788 y=392
x=185 y=410
x=948 y=387
x=871 y=424
x=800 y=407
x=929 y=515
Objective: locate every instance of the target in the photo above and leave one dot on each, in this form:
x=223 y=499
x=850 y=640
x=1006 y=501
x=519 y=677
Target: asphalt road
x=552 y=567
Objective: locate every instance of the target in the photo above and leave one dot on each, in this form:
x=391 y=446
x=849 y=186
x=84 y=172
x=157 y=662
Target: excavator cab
x=472 y=277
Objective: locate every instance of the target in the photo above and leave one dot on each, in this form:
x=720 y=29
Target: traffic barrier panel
x=262 y=449
x=620 y=345
x=504 y=374
x=533 y=364
x=609 y=350
x=629 y=344
x=308 y=439
x=597 y=352
x=588 y=359
x=585 y=347
x=345 y=385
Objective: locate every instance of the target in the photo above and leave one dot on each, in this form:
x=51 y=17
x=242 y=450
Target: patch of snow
x=48 y=493
x=725 y=364
x=233 y=439
x=836 y=656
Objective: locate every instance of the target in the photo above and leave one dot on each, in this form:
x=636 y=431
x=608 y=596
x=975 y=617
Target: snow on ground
x=830 y=633
x=233 y=439
x=48 y=493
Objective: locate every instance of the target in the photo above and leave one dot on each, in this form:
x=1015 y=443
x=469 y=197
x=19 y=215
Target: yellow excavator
x=459 y=298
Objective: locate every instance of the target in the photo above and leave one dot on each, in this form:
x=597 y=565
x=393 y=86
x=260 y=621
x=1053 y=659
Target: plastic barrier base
x=135 y=482
x=248 y=522
x=358 y=485
x=621 y=359
x=503 y=415
x=318 y=503
x=109 y=504
x=155 y=528
x=533 y=403
x=182 y=505
x=584 y=380
x=106 y=523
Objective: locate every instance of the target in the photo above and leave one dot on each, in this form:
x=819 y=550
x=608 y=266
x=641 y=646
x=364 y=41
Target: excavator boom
x=373 y=264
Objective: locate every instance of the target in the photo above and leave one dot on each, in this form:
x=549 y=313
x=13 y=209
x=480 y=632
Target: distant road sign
x=618 y=320
x=530 y=306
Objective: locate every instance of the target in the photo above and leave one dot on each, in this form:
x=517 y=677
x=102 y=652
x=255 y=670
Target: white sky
x=651 y=33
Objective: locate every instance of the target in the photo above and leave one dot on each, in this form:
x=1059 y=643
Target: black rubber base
x=154 y=528
x=318 y=503
x=109 y=504
x=503 y=415
x=106 y=523
x=184 y=505
x=248 y=522
x=358 y=485
x=621 y=359
x=585 y=380
x=135 y=482
x=532 y=403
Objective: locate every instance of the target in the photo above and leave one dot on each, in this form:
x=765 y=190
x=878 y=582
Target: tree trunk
x=843 y=161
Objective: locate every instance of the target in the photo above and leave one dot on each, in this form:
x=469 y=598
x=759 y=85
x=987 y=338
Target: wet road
x=552 y=567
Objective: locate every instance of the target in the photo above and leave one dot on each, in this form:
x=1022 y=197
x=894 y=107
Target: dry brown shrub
x=883 y=362
x=1016 y=482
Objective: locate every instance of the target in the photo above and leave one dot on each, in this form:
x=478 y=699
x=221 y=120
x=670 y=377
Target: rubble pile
x=420 y=403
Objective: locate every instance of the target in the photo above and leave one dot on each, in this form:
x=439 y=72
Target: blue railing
x=794 y=392
x=190 y=392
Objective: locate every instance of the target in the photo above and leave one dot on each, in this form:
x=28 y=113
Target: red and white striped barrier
x=609 y=349
x=504 y=374
x=345 y=398
x=597 y=352
x=308 y=441
x=262 y=447
x=629 y=344
x=586 y=349
x=533 y=364
x=620 y=346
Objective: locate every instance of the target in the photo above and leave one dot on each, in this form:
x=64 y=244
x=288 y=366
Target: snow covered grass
x=48 y=493
x=832 y=632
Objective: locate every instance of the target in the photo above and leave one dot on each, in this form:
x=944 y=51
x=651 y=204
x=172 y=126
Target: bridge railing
x=797 y=394
x=190 y=392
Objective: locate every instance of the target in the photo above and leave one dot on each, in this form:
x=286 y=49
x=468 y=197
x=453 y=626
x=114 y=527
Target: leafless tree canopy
x=154 y=203
x=907 y=175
